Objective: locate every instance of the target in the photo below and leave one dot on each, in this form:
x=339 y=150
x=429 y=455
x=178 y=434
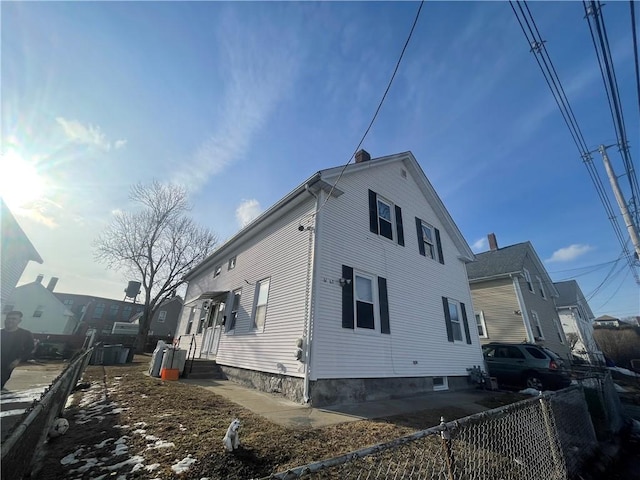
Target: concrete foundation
x=289 y=387
x=339 y=391
x=344 y=391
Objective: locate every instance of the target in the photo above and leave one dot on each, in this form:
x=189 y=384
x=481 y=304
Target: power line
x=532 y=34
x=615 y=292
x=635 y=48
x=597 y=28
x=375 y=115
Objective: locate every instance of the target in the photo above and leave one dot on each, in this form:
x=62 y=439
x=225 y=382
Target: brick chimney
x=493 y=243
x=39 y=278
x=52 y=283
x=362 y=156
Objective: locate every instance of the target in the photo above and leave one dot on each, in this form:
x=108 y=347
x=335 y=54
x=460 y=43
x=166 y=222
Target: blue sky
x=243 y=101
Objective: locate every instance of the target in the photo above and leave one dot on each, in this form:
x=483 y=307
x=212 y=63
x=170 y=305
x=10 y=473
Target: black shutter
x=466 y=323
x=420 y=237
x=399 y=226
x=373 y=212
x=384 y=305
x=347 y=298
x=447 y=318
x=440 y=256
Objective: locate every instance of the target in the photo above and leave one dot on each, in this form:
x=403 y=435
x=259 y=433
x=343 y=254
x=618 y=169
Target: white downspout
x=309 y=296
x=523 y=310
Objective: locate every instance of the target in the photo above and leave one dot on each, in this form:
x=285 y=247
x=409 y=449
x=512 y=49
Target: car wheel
x=533 y=381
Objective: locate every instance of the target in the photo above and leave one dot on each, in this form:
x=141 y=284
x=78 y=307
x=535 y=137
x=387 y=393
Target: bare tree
x=157 y=244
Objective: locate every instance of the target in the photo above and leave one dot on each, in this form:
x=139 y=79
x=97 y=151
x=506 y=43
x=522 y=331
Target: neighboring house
x=165 y=321
x=513 y=298
x=341 y=292
x=98 y=312
x=16 y=251
x=42 y=311
x=576 y=318
x=607 y=321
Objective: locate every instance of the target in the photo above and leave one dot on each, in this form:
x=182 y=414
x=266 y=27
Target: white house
x=341 y=293
x=577 y=321
x=42 y=311
x=16 y=251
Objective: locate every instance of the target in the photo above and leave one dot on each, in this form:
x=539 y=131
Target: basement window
x=440 y=383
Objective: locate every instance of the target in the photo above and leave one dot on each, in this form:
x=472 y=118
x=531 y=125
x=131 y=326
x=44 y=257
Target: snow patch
x=140 y=424
x=183 y=465
x=71 y=458
x=624 y=371
x=152 y=467
x=530 y=391
x=161 y=444
x=130 y=461
x=619 y=388
x=103 y=443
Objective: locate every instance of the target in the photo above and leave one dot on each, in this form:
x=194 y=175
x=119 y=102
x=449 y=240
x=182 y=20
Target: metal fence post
x=445 y=435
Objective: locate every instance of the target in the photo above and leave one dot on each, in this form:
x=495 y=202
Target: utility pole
x=631 y=228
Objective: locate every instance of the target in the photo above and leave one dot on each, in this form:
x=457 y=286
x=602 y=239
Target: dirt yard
x=126 y=425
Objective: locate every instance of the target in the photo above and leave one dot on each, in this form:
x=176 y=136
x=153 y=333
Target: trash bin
x=111 y=354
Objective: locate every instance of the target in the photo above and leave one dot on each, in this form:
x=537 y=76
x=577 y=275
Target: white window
x=38 y=312
x=440 y=383
x=456 y=325
x=427 y=239
x=192 y=314
x=385 y=218
x=527 y=278
x=482 y=326
x=162 y=316
x=559 y=330
x=232 y=263
x=541 y=287
x=217 y=271
x=535 y=325
x=260 y=312
x=234 y=309
x=68 y=301
x=364 y=302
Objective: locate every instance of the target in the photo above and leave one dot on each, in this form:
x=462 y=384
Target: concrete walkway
x=293 y=415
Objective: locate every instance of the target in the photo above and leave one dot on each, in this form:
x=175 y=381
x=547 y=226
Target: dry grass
x=195 y=421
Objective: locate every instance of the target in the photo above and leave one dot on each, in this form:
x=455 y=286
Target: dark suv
x=524 y=364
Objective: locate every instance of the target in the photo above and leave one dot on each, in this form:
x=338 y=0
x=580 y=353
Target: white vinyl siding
x=279 y=252
x=417 y=344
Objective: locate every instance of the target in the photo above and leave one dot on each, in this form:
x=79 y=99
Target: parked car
x=524 y=364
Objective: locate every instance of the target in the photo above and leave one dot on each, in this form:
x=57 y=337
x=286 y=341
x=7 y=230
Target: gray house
x=165 y=320
x=513 y=298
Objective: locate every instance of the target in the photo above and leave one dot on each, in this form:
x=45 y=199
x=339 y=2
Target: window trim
x=527 y=279
x=483 y=324
x=425 y=243
x=37 y=313
x=217 y=271
x=233 y=314
x=254 y=325
x=536 y=318
x=560 y=330
x=381 y=199
x=375 y=302
x=444 y=386
x=162 y=318
x=456 y=304
x=192 y=315
x=231 y=264
x=541 y=287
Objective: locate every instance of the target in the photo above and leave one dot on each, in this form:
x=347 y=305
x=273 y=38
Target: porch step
x=203 y=369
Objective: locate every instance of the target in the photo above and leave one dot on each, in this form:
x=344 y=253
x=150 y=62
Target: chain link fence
x=546 y=437
x=28 y=436
x=603 y=402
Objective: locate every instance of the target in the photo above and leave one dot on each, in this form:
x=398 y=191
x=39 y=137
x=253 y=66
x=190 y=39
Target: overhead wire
x=532 y=34
x=377 y=111
x=635 y=48
x=597 y=28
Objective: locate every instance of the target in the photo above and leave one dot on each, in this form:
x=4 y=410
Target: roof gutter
x=495 y=277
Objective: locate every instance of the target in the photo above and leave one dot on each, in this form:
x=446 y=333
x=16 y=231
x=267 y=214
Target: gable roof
x=40 y=289
x=324 y=180
x=13 y=236
x=570 y=294
x=507 y=261
x=606 y=318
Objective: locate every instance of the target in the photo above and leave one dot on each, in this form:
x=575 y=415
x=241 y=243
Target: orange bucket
x=170 y=374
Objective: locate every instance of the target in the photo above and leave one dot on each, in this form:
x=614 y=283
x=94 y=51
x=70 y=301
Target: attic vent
x=403 y=173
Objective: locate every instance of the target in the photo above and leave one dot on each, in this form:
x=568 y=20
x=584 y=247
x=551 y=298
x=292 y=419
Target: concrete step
x=203 y=369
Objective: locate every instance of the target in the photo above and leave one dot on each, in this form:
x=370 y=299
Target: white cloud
x=87 y=135
x=480 y=245
x=259 y=73
x=566 y=254
x=247 y=211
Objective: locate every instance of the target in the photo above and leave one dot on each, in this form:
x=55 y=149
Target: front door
x=211 y=338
